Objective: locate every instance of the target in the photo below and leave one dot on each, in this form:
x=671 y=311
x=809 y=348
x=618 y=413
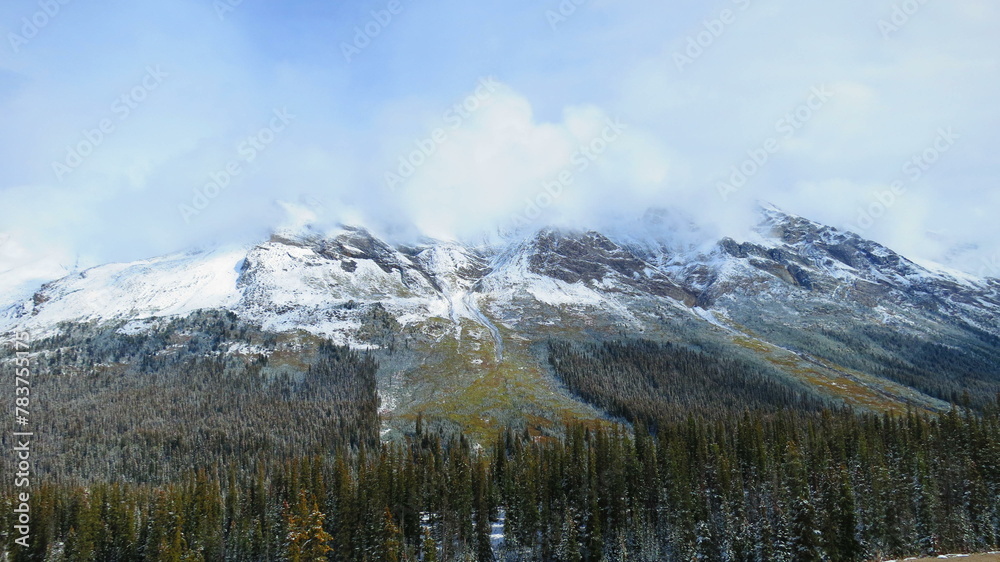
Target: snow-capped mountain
x=303 y=281
x=822 y=305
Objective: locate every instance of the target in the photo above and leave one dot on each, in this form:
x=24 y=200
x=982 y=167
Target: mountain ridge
x=850 y=318
x=794 y=249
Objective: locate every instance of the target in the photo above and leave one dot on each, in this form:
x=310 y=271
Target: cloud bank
x=134 y=130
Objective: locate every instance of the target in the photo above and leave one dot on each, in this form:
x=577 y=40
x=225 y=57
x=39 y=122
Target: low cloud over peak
x=178 y=125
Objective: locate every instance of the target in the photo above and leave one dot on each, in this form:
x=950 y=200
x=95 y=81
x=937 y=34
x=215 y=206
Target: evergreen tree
x=569 y=543
x=307 y=539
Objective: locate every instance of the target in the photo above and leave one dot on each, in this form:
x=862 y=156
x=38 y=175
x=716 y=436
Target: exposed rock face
x=805 y=300
x=304 y=280
x=593 y=259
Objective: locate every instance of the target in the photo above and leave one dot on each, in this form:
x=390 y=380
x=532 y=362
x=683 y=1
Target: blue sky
x=667 y=100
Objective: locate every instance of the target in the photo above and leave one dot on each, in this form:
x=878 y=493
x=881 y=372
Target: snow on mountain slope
x=319 y=283
x=314 y=284
x=822 y=306
x=453 y=270
x=171 y=285
x=789 y=259
x=512 y=278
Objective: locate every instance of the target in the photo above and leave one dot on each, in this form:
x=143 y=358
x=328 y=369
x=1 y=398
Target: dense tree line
x=830 y=485
x=653 y=382
x=958 y=363
x=968 y=373
x=149 y=407
x=165 y=445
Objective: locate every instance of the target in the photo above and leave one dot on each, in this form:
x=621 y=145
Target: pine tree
x=595 y=531
x=307 y=540
x=569 y=543
x=483 y=545
x=802 y=526
x=392 y=539
x=844 y=544
x=80 y=544
x=165 y=541
x=429 y=547
x=78 y=548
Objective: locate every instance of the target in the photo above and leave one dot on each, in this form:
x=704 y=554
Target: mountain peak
x=303 y=279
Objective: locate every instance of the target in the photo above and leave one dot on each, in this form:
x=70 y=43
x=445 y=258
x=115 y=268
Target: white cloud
x=556 y=91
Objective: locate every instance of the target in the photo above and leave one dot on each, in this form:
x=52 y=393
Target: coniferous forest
x=256 y=464
x=787 y=486
x=500 y=281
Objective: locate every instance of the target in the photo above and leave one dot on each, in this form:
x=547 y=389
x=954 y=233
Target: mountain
x=460 y=332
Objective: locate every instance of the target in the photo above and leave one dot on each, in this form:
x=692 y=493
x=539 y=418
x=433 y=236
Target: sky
x=133 y=129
